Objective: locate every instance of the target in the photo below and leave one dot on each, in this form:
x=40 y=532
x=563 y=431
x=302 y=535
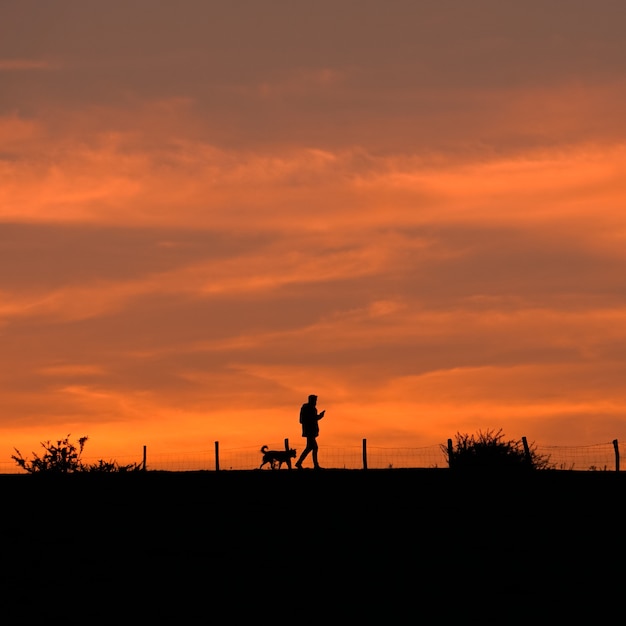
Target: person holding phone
x=309 y=418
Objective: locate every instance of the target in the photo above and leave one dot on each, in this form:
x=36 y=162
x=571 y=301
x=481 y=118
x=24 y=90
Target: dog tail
x=263 y=449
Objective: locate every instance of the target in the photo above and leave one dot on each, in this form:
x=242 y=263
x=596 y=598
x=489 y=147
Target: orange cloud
x=19 y=65
x=423 y=272
x=109 y=182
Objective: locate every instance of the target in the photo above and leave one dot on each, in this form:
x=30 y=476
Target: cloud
x=21 y=65
x=132 y=179
x=76 y=370
x=206 y=213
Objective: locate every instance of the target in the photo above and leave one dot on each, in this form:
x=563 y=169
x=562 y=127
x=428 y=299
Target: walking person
x=309 y=418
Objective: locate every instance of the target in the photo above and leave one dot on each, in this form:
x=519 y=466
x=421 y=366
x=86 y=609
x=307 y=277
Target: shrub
x=111 y=466
x=63 y=457
x=490 y=450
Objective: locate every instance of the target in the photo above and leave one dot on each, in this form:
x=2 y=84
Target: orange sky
x=209 y=210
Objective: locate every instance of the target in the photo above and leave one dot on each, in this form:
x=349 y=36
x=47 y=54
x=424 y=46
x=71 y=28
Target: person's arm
x=320 y=415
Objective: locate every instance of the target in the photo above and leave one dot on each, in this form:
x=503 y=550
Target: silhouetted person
x=309 y=418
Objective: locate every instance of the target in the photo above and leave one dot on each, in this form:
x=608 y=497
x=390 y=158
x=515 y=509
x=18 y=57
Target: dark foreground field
x=272 y=547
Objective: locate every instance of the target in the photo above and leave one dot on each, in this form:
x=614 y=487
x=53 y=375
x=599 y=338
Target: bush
x=63 y=457
x=111 y=466
x=488 y=451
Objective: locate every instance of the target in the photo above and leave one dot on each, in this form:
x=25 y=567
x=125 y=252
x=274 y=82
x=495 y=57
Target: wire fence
x=594 y=457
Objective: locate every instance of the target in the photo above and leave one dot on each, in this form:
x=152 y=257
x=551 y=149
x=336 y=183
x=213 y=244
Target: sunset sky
x=412 y=208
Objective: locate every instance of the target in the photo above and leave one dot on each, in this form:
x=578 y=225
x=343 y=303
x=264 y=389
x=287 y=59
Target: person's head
x=312 y=399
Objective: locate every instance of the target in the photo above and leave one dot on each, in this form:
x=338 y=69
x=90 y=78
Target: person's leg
x=314 y=451
x=304 y=454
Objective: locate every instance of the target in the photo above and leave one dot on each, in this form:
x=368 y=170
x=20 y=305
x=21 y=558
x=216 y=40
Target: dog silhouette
x=276 y=458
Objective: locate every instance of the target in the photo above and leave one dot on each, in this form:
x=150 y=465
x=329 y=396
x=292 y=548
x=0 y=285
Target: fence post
x=450 y=454
x=529 y=459
x=616 y=446
x=144 y=458
x=217 y=456
x=286 y=444
x=364 y=454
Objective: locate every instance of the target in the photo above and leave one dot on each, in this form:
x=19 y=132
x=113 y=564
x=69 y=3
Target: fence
x=595 y=457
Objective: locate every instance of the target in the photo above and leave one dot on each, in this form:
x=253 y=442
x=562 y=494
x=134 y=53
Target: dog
x=276 y=458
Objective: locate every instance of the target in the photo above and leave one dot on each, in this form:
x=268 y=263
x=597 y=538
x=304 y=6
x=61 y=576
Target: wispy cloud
x=114 y=180
x=418 y=214
x=24 y=65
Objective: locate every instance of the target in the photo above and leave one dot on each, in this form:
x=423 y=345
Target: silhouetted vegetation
x=64 y=457
x=487 y=451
